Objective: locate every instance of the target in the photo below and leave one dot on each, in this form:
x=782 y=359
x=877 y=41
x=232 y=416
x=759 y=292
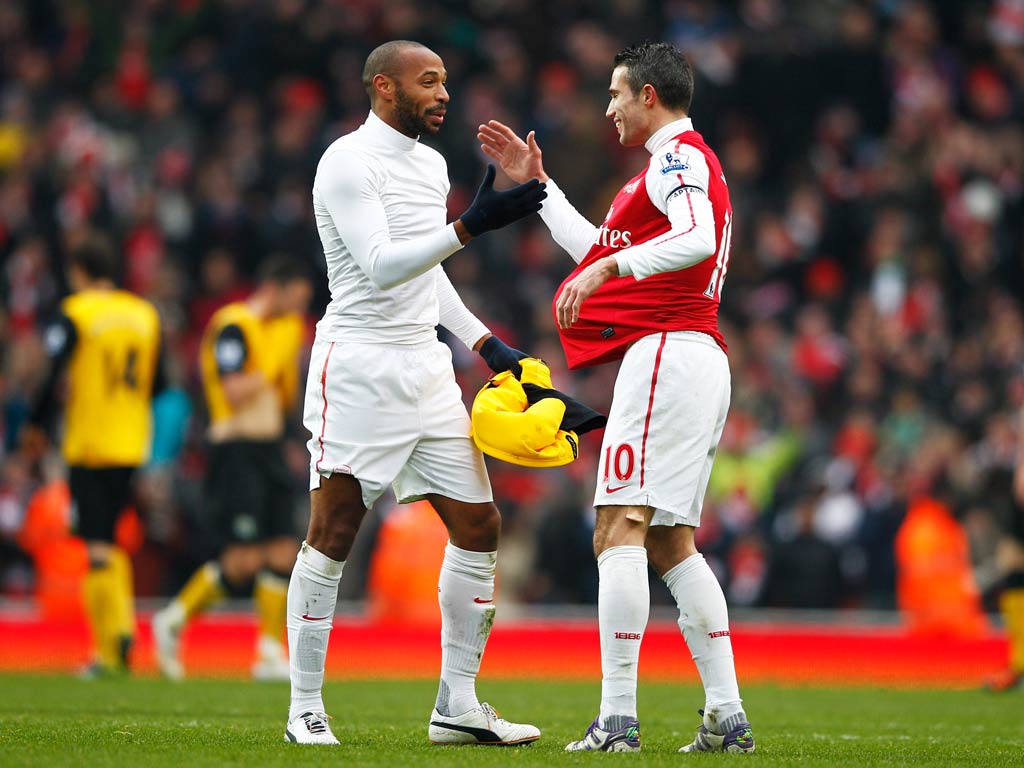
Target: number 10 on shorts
x=620 y=462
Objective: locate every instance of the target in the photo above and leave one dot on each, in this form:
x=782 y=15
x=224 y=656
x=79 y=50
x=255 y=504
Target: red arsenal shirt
x=626 y=308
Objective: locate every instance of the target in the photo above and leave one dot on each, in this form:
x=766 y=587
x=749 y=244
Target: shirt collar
x=379 y=130
x=667 y=132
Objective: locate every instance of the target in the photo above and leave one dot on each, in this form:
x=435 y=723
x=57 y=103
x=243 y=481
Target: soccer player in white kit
x=646 y=290
x=382 y=404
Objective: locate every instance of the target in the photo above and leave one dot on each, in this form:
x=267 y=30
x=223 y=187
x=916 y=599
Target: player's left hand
x=577 y=290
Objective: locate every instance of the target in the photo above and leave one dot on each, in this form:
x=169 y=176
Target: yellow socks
x=99 y=589
x=122 y=610
x=1011 y=604
x=271 y=597
x=110 y=608
x=201 y=591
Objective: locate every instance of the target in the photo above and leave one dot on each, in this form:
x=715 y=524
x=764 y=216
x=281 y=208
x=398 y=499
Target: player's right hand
x=521 y=160
x=493 y=208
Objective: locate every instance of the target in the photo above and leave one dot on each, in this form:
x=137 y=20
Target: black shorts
x=250 y=492
x=1015 y=525
x=98 y=497
x=1007 y=510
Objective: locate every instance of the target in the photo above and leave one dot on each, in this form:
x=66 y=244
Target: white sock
x=623 y=606
x=312 y=596
x=704 y=620
x=465 y=591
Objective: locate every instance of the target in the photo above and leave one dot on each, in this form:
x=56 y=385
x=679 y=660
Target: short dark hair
x=281 y=269
x=662 y=66
x=97 y=257
x=384 y=60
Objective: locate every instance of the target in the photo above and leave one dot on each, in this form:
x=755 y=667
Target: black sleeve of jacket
x=578 y=417
x=59 y=339
x=160 y=379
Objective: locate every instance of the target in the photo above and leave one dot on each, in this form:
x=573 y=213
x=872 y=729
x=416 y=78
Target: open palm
x=521 y=160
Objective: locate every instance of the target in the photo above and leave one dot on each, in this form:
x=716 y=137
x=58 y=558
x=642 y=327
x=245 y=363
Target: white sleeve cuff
x=567 y=226
x=453 y=238
x=555 y=193
x=625 y=267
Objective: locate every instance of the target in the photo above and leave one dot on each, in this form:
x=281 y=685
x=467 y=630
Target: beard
x=411 y=122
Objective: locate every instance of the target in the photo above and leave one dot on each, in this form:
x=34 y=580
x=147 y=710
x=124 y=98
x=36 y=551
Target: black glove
x=493 y=209
x=500 y=357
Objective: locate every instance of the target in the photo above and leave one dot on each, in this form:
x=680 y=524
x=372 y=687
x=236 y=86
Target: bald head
x=388 y=59
x=406 y=85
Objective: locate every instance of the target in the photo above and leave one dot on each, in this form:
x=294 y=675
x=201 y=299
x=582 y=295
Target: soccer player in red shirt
x=646 y=291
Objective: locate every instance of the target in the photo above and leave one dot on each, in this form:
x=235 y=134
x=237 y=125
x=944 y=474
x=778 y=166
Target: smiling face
x=627 y=110
x=419 y=97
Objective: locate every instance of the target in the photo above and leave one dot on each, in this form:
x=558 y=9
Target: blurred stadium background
x=875 y=156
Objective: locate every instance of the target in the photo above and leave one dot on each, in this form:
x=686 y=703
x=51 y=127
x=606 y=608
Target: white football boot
x=271 y=661
x=626 y=738
x=167 y=626
x=310 y=728
x=479 y=726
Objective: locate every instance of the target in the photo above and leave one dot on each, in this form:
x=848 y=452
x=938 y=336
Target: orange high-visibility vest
x=935 y=586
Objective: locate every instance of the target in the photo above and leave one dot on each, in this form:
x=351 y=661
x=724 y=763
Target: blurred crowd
x=873 y=308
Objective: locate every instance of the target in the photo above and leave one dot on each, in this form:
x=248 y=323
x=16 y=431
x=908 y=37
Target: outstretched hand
x=520 y=160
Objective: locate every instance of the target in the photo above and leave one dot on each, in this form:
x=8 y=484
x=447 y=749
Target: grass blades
x=150 y=723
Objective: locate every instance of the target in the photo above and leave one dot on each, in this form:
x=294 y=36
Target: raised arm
x=350 y=190
x=522 y=160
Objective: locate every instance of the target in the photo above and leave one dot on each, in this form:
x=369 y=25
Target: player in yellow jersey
x=1011 y=561
x=249 y=361
x=107 y=342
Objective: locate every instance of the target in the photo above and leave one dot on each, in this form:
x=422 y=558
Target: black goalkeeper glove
x=500 y=357
x=493 y=209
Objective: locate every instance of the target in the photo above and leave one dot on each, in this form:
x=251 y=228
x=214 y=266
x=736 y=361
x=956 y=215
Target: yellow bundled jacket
x=507 y=427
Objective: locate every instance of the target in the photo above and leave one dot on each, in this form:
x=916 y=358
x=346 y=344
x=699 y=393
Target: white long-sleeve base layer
x=379 y=200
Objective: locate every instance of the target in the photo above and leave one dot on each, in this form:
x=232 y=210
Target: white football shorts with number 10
x=669 y=408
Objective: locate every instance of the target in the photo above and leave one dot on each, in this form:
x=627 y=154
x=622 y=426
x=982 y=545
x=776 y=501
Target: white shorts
x=668 y=410
x=391 y=415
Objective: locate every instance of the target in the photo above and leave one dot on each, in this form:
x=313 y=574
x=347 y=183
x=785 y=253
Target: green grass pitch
x=149 y=723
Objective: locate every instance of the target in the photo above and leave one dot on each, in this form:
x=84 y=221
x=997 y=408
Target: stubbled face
x=421 y=98
x=626 y=109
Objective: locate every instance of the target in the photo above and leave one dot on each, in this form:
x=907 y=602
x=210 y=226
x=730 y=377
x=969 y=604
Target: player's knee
x=613 y=529
x=661 y=560
x=488 y=521
x=604 y=539
x=335 y=542
x=476 y=527
x=668 y=546
x=334 y=535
